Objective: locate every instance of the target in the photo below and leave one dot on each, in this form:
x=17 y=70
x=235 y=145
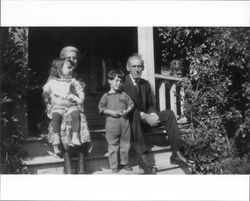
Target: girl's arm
x=61 y=101
x=79 y=89
x=47 y=92
x=79 y=100
x=46 y=97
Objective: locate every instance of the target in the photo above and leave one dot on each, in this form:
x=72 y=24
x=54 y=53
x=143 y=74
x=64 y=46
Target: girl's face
x=67 y=69
x=115 y=84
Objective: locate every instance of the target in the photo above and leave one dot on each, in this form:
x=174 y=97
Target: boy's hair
x=116 y=72
x=56 y=67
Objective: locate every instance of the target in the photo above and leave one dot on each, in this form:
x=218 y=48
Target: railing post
x=162 y=96
x=173 y=99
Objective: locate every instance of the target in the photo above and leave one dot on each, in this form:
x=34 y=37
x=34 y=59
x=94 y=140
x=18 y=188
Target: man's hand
x=152 y=119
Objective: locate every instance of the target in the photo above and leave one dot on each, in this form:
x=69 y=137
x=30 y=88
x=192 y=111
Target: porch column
x=146 y=50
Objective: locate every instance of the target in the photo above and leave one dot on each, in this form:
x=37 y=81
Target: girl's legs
x=75 y=116
x=56 y=122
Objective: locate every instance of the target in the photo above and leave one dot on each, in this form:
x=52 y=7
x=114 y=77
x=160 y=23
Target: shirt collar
x=133 y=80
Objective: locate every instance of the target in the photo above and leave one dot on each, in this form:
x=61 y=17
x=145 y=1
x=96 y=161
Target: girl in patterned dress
x=64 y=94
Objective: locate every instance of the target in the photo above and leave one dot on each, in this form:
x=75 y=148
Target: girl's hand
x=74 y=98
x=48 y=108
x=61 y=101
x=71 y=97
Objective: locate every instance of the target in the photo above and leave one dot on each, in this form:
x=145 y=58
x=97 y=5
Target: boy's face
x=116 y=83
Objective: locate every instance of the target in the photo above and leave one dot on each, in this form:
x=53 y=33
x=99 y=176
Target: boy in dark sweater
x=116 y=105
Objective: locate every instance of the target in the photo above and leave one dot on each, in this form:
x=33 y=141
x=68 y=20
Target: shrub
x=215 y=64
x=14 y=74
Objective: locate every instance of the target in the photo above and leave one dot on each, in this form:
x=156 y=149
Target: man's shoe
x=127 y=167
x=179 y=159
x=150 y=170
x=115 y=170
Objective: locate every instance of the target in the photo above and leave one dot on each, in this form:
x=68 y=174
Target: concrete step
x=40 y=146
x=41 y=159
x=98 y=164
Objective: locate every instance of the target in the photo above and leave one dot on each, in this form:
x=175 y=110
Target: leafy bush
x=215 y=64
x=14 y=74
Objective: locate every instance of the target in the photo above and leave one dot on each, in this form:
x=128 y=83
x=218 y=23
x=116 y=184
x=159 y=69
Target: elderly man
x=145 y=115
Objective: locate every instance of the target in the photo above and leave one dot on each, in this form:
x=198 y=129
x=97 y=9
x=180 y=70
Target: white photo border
x=124 y=13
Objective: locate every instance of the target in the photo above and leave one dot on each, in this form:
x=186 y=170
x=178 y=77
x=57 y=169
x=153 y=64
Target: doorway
x=102 y=49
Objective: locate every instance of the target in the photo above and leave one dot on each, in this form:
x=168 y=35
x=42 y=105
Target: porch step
x=40 y=147
x=41 y=159
x=98 y=164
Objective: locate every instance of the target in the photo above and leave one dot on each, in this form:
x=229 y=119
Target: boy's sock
x=75 y=139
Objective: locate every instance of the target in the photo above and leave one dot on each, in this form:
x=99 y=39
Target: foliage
x=216 y=66
x=233 y=166
x=14 y=84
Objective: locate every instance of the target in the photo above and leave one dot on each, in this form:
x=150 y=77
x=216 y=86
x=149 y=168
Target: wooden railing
x=169 y=94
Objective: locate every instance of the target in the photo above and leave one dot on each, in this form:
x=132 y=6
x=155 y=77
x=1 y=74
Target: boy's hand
x=115 y=113
x=123 y=113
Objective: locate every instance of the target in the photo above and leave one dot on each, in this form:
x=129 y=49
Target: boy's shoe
x=75 y=139
x=127 y=167
x=115 y=170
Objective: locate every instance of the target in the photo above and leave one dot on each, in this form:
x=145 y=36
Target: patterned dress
x=61 y=88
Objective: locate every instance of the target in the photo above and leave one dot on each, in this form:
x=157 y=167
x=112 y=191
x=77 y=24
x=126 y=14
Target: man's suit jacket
x=148 y=107
x=146 y=93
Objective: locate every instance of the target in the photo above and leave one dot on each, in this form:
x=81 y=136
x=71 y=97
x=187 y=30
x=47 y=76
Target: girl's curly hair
x=56 y=67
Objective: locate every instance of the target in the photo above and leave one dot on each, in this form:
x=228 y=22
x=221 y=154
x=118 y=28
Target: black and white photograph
x=115 y=101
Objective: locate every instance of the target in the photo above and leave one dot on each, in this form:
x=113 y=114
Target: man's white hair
x=67 y=49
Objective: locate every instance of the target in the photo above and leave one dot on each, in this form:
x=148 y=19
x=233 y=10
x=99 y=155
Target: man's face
x=135 y=67
x=72 y=56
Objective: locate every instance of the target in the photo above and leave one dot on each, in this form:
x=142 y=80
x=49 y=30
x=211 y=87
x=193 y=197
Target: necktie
x=138 y=89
